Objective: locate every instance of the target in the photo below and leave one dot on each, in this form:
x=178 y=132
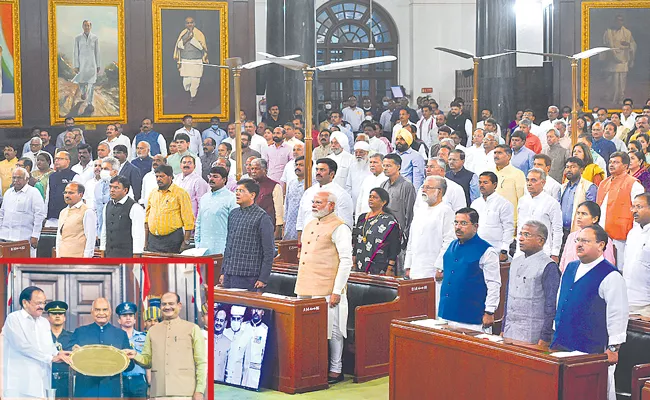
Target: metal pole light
x=477 y=61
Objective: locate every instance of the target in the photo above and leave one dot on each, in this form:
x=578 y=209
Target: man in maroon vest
x=271 y=198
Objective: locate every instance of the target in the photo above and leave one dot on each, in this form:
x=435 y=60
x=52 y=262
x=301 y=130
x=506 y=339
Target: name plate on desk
x=99 y=360
x=430 y=323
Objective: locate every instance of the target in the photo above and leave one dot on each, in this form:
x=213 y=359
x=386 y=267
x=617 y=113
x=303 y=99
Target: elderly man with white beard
x=454 y=194
x=359 y=170
x=371 y=181
x=343 y=159
x=432 y=230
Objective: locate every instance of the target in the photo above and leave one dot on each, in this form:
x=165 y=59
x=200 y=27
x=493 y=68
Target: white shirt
x=620 y=145
x=432 y=230
x=85 y=174
x=378 y=146
x=22 y=214
x=354 y=116
x=370 y=182
x=553 y=188
x=629 y=121
x=428 y=130
x=612 y=290
x=343 y=209
x=600 y=161
x=258 y=143
x=291 y=142
x=89 y=193
x=196 y=144
x=148 y=185
x=28 y=350
x=358 y=172
x=344 y=161
x=481 y=125
x=342 y=239
x=121 y=139
x=289 y=173
x=496 y=220
x=637 y=266
x=384 y=120
x=547 y=210
x=636 y=190
x=137 y=227
x=454 y=198
x=481 y=162
x=90 y=231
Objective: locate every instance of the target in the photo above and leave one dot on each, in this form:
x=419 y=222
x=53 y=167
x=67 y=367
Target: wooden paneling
x=139 y=68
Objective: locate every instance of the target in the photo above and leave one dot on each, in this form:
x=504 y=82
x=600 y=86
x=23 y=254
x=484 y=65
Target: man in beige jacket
x=174 y=350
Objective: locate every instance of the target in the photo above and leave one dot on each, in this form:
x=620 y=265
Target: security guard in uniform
x=135 y=381
x=152 y=316
x=60 y=371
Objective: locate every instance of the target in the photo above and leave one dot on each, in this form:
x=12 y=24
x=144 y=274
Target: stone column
x=496 y=31
x=274 y=74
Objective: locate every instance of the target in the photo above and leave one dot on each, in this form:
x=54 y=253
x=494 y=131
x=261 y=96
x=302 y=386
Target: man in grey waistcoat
x=532 y=289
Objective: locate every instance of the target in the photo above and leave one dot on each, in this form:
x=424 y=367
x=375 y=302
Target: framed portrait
x=87 y=61
x=11 y=102
x=622 y=72
x=190 y=40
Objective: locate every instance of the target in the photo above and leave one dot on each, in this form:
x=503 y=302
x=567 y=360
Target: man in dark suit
x=128 y=170
x=99 y=332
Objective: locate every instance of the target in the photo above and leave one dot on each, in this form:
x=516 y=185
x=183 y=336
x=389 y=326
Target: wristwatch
x=488 y=313
x=613 y=348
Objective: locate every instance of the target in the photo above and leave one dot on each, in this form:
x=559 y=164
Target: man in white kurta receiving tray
x=86 y=62
x=190 y=53
x=323 y=271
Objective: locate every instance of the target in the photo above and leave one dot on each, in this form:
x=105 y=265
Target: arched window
x=345 y=31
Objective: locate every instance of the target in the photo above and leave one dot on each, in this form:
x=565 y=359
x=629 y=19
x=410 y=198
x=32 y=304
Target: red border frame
x=209 y=280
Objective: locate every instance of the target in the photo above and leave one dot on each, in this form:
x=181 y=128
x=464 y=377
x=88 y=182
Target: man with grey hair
x=110 y=169
x=35 y=147
x=22 y=211
x=557 y=153
x=565 y=137
x=454 y=195
x=605 y=148
x=533 y=142
x=271 y=197
x=325 y=264
x=432 y=230
x=371 y=181
x=483 y=159
x=553 y=114
x=531 y=297
x=540 y=206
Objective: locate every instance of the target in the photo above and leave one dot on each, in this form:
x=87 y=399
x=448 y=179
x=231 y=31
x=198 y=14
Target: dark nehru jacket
x=119 y=239
x=463 y=178
x=56 y=185
x=457 y=123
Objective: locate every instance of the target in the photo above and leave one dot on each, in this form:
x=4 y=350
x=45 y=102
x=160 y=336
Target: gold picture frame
x=588 y=18
x=169 y=85
x=14 y=40
x=109 y=84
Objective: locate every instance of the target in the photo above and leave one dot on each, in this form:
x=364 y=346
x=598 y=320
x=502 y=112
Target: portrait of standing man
x=86 y=62
x=190 y=53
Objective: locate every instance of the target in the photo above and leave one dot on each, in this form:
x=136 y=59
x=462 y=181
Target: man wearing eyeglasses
x=637 y=257
x=471 y=279
x=592 y=311
x=532 y=289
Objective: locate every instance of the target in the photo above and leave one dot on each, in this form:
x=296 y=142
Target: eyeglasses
x=528 y=235
x=39 y=303
x=584 y=241
x=462 y=223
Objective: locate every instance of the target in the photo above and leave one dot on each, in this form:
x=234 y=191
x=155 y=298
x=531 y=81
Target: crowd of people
x=408 y=189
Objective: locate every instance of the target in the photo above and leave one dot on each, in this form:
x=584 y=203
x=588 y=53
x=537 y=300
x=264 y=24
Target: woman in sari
x=42 y=172
x=592 y=172
x=644 y=140
x=621 y=131
x=639 y=169
x=587 y=214
x=378 y=237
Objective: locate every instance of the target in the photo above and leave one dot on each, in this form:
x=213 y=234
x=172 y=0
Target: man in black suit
x=99 y=332
x=129 y=171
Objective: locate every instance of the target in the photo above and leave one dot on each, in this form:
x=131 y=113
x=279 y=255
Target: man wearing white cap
x=343 y=159
x=359 y=170
x=240 y=337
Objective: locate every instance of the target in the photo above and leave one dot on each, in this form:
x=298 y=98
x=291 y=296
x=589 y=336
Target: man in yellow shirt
x=512 y=181
x=175 y=351
x=7 y=166
x=168 y=213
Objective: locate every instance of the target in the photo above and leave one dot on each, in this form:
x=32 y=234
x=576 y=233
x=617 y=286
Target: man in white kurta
x=454 y=196
x=28 y=349
x=325 y=264
x=431 y=232
x=86 y=61
x=540 y=206
x=359 y=170
x=190 y=53
x=620 y=59
x=496 y=215
x=637 y=257
x=373 y=180
x=343 y=159
x=552 y=187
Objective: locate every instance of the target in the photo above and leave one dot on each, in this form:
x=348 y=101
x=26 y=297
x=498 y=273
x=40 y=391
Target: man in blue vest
x=471 y=277
x=134 y=382
x=592 y=307
x=157 y=143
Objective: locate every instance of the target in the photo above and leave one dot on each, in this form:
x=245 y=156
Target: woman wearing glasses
x=587 y=214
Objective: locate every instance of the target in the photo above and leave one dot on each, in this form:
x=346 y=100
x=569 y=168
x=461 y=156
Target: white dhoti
x=191 y=71
x=620 y=253
x=337 y=325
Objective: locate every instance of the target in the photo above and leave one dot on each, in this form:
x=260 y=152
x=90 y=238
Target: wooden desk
x=298 y=344
x=646 y=391
x=439 y=364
